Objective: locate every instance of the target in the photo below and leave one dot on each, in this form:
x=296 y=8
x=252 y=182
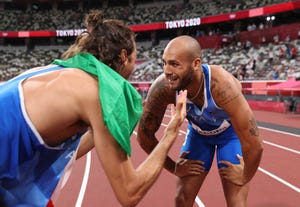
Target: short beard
x=186 y=81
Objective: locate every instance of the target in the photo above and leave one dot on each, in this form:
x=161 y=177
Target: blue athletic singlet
x=29 y=169
x=209 y=129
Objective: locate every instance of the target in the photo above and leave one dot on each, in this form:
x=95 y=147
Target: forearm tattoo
x=154 y=109
x=253 y=127
x=149 y=123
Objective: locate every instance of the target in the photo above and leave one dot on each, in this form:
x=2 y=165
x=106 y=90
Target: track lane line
x=281 y=147
x=197 y=199
x=278 y=131
x=263 y=170
x=84 y=180
x=280 y=180
x=199 y=202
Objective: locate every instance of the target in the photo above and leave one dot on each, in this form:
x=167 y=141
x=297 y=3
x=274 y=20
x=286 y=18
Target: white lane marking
x=282 y=147
x=197 y=199
x=84 y=180
x=282 y=132
x=280 y=180
x=263 y=170
x=199 y=202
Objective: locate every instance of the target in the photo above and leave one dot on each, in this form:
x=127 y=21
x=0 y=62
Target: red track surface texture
x=276 y=184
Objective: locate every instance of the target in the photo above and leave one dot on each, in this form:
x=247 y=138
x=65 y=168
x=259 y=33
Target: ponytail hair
x=104 y=38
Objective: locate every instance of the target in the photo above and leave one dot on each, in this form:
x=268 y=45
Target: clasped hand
x=233 y=172
x=185 y=167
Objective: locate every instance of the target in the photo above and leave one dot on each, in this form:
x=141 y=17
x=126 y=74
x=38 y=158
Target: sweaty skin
x=182 y=70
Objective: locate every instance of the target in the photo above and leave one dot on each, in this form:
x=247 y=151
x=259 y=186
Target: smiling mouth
x=172 y=82
x=171 y=79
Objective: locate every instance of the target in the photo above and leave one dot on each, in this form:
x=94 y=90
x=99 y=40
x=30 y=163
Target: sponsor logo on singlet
x=225 y=125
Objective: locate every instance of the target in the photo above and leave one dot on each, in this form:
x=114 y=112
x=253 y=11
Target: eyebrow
x=173 y=61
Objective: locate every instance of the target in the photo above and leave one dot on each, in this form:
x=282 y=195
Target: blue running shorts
x=226 y=145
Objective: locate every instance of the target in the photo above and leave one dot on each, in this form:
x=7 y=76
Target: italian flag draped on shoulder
x=121 y=103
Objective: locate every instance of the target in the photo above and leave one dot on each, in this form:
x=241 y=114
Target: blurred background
x=258 y=41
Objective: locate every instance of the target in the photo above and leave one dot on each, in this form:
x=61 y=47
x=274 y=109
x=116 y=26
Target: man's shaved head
x=186 y=45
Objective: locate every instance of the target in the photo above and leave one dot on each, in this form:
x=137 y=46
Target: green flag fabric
x=121 y=103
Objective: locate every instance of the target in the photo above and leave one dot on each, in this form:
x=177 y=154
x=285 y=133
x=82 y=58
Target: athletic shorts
x=226 y=145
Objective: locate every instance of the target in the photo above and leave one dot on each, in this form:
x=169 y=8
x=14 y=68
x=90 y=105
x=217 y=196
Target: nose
x=166 y=69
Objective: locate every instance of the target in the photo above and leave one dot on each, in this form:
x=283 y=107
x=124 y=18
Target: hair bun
x=95 y=18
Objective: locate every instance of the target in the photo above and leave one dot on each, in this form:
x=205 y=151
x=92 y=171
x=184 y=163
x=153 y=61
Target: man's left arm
x=245 y=126
x=231 y=99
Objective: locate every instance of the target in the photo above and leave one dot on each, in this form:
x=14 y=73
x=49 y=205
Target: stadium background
x=255 y=40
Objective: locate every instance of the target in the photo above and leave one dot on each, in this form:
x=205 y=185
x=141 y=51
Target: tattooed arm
x=158 y=99
x=227 y=93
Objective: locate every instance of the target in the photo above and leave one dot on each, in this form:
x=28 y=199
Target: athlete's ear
x=124 y=56
x=196 y=63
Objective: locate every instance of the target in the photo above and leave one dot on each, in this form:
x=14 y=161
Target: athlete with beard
x=220 y=122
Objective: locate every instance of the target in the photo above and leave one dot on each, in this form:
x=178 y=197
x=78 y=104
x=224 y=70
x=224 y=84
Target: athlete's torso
x=210 y=119
x=25 y=175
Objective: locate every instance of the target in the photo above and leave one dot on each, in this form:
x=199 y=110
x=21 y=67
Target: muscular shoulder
x=158 y=98
x=160 y=92
x=59 y=101
x=83 y=89
x=79 y=81
x=70 y=83
x=225 y=87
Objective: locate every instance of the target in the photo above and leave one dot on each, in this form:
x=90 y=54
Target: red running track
x=276 y=184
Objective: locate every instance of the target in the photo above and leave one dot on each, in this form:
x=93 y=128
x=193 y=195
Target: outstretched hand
x=178 y=113
x=185 y=167
x=233 y=172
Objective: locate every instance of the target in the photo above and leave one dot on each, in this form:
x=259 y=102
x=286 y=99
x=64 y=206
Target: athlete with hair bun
x=52 y=114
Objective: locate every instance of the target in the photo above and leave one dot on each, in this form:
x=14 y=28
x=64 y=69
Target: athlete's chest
x=208 y=114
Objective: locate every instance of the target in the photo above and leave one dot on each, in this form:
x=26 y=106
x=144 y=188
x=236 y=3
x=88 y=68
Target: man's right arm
x=157 y=101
